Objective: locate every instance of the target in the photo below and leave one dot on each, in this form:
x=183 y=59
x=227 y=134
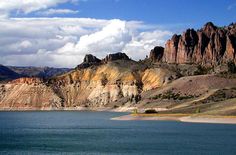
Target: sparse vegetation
x=104 y=80
x=135 y=98
x=201 y=70
x=198 y=110
x=171 y=95
x=135 y=111
x=231 y=67
x=115 y=106
x=221 y=95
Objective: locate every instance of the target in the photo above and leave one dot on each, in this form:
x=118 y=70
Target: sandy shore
x=182 y=118
x=216 y=119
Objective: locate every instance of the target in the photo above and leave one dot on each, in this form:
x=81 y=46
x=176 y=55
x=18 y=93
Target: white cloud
x=142 y=43
x=111 y=38
x=63 y=42
x=28 y=6
x=57 y=11
x=231 y=6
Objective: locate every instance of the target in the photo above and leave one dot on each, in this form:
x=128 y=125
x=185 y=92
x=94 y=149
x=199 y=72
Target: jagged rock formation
x=115 y=56
x=209 y=46
x=156 y=54
x=117 y=80
x=89 y=60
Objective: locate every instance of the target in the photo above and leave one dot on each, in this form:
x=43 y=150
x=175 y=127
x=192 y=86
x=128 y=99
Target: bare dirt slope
x=194 y=94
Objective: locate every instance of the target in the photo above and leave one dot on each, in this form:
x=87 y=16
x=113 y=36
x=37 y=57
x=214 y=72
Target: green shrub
x=232 y=67
x=135 y=111
x=201 y=70
x=150 y=111
x=198 y=110
x=171 y=95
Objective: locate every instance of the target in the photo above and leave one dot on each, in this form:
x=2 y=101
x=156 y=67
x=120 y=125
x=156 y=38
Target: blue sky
x=58 y=33
x=193 y=13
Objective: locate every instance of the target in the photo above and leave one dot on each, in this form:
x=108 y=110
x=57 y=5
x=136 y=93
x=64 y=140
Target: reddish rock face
x=170 y=52
x=209 y=46
x=156 y=54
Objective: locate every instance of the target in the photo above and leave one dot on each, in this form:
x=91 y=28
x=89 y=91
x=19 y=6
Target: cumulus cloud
x=63 y=42
x=111 y=38
x=142 y=43
x=57 y=11
x=28 y=6
x=231 y=6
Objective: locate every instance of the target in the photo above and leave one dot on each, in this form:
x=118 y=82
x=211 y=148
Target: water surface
x=94 y=133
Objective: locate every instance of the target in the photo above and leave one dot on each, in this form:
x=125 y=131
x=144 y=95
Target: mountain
x=41 y=72
x=209 y=46
x=174 y=79
x=7 y=74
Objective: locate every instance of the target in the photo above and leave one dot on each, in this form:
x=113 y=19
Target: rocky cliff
x=101 y=85
x=94 y=83
x=117 y=80
x=28 y=93
x=209 y=46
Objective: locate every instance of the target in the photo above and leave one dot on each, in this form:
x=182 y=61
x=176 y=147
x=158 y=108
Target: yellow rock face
x=95 y=86
x=154 y=78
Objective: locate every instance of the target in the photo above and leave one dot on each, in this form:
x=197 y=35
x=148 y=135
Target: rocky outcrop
x=209 y=46
x=99 y=83
x=170 y=52
x=89 y=60
x=115 y=56
x=28 y=94
x=26 y=80
x=95 y=86
x=156 y=54
x=107 y=83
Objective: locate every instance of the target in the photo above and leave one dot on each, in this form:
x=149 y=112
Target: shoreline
x=110 y=109
x=188 y=118
x=179 y=117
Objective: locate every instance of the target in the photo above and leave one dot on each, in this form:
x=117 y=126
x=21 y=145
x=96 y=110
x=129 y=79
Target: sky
x=58 y=33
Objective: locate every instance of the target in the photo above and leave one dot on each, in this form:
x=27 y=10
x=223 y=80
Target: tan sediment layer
x=180 y=117
x=56 y=109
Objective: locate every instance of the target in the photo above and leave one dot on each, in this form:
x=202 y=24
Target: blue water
x=94 y=133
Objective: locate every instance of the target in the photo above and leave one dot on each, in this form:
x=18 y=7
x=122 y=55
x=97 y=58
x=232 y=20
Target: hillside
x=41 y=72
x=7 y=74
x=192 y=73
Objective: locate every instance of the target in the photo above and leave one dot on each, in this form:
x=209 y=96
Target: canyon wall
x=115 y=77
x=209 y=46
x=99 y=83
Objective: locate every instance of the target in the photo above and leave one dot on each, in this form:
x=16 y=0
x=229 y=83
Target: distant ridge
x=7 y=74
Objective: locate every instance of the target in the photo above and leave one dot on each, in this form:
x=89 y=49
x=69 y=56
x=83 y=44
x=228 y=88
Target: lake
x=92 y=133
